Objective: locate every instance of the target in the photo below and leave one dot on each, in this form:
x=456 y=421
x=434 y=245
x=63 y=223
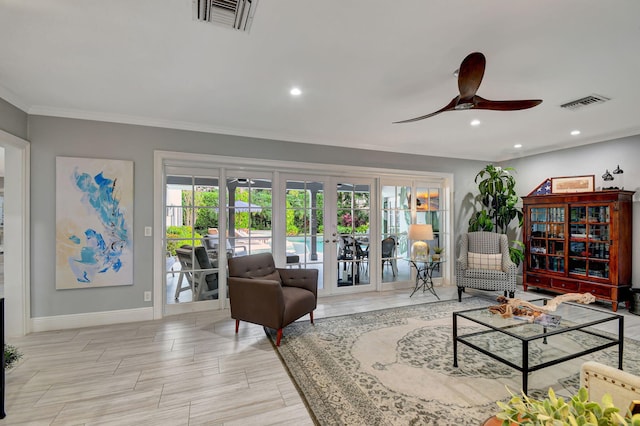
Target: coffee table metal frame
x=511 y=326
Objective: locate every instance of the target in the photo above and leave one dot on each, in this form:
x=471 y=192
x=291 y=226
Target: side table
x=424 y=272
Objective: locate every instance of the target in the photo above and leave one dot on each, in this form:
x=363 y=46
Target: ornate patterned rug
x=395 y=367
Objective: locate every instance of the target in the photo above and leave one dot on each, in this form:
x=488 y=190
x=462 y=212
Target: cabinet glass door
x=589 y=241
x=546 y=244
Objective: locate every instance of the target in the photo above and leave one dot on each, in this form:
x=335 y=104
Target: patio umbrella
x=244 y=207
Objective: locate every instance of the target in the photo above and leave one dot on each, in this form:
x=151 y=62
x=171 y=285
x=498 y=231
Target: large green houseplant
x=499 y=205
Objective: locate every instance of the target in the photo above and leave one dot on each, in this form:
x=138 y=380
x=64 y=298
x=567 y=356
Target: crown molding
x=14 y=99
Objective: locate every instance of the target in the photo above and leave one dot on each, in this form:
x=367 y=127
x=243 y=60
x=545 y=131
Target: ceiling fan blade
x=470 y=74
x=449 y=107
x=481 y=103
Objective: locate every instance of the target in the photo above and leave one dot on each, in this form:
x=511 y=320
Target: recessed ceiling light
x=475 y=122
x=575 y=132
x=295 y=91
x=518 y=145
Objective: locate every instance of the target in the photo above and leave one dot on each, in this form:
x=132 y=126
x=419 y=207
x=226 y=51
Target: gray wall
x=592 y=159
x=13 y=120
x=51 y=137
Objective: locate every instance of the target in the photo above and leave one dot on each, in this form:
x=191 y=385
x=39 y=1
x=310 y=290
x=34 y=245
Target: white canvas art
x=94 y=222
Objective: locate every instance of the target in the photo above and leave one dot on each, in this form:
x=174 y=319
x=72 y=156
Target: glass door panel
x=598 y=250
x=396 y=218
x=546 y=240
x=428 y=211
x=599 y=232
x=590 y=241
x=304 y=211
x=192 y=267
x=353 y=216
x=599 y=214
x=249 y=207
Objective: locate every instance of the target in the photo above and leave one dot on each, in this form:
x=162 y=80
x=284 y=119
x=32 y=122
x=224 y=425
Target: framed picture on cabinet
x=564 y=185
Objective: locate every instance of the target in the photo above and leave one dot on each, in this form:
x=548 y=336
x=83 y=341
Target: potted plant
x=437 y=252
x=11 y=356
x=499 y=200
x=553 y=410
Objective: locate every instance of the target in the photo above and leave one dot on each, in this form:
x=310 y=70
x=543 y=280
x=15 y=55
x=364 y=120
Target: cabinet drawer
x=596 y=290
x=538 y=280
x=564 y=285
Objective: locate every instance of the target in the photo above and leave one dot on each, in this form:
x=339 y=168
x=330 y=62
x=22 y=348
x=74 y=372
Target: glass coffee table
x=532 y=346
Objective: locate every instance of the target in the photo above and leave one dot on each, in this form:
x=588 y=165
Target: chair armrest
x=301 y=278
x=509 y=267
x=255 y=299
x=461 y=262
x=600 y=379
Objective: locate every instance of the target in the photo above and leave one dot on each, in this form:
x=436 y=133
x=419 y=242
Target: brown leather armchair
x=272 y=297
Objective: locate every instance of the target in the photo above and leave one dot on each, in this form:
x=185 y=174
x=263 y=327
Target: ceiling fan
x=469 y=78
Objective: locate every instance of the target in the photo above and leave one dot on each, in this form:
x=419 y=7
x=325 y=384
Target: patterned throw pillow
x=484 y=261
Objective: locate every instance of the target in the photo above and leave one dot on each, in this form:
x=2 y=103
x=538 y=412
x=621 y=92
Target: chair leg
x=505 y=293
x=279 y=337
x=237 y=325
x=460 y=290
x=311 y=316
x=512 y=294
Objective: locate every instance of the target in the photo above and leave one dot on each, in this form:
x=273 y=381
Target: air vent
x=584 y=102
x=236 y=14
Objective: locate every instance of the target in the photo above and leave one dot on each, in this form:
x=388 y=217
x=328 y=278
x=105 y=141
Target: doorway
x=328 y=223
x=16 y=233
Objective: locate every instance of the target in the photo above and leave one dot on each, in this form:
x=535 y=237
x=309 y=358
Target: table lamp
x=418 y=232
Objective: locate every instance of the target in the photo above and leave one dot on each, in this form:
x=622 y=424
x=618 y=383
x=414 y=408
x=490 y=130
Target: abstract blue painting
x=94 y=222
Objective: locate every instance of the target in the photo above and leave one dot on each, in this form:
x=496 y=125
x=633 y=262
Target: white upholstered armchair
x=484 y=263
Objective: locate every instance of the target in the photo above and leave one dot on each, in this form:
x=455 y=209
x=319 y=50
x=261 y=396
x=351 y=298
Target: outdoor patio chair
x=196 y=268
x=484 y=263
x=388 y=255
x=262 y=294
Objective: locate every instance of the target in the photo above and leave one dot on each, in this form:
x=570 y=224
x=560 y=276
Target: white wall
x=51 y=137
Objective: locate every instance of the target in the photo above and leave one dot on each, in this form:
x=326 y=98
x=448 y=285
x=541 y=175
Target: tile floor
x=183 y=370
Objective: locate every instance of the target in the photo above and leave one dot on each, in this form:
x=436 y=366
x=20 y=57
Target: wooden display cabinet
x=579 y=243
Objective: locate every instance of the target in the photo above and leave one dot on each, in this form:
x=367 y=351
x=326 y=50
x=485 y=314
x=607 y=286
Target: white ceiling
x=361 y=65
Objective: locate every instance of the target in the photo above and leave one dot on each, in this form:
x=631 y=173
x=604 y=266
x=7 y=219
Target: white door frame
x=16 y=235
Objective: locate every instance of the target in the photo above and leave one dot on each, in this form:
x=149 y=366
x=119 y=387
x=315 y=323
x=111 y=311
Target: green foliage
x=517 y=253
x=553 y=410
x=206 y=217
x=178 y=236
x=480 y=221
x=437 y=250
x=11 y=356
x=498 y=196
x=499 y=209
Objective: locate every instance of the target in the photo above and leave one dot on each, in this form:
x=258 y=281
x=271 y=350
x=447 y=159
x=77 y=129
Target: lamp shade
x=418 y=233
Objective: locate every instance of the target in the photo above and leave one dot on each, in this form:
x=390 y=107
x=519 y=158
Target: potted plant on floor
x=11 y=356
x=553 y=410
x=498 y=199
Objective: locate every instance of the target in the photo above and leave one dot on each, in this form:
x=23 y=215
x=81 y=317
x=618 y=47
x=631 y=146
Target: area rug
x=395 y=367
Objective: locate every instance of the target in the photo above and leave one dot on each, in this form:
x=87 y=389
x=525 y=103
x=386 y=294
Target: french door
x=328 y=223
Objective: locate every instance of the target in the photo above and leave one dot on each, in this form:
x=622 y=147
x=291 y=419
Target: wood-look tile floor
x=182 y=370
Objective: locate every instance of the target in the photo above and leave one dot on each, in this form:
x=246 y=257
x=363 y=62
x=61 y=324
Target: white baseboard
x=90 y=319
